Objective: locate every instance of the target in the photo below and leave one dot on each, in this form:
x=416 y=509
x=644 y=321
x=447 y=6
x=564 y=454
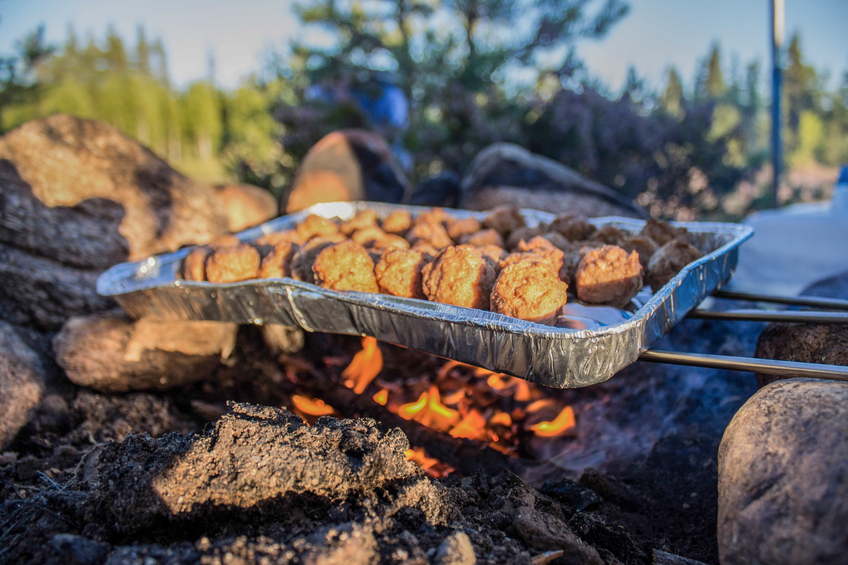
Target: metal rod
x=750 y=364
x=790 y=316
x=814 y=301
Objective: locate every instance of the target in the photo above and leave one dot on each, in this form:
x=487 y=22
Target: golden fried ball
x=608 y=276
x=399 y=272
x=459 y=276
x=398 y=222
x=277 y=263
x=529 y=290
x=232 y=264
x=345 y=266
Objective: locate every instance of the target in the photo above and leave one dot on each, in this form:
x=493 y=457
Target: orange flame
x=312 y=406
x=432 y=466
x=519 y=388
x=562 y=423
x=429 y=411
x=381 y=397
x=501 y=419
x=364 y=366
x=473 y=426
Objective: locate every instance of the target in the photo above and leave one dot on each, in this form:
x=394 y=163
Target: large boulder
x=246 y=205
x=67 y=160
x=111 y=353
x=21 y=382
x=807 y=343
x=77 y=196
x=783 y=476
x=504 y=173
x=345 y=166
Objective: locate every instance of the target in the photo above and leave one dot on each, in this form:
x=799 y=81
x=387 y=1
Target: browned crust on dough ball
x=345 y=266
x=433 y=216
x=314 y=225
x=663 y=232
x=301 y=264
x=573 y=227
x=459 y=276
x=526 y=233
x=398 y=222
x=361 y=220
x=232 y=264
x=429 y=232
x=608 y=276
x=668 y=261
x=483 y=237
x=276 y=237
x=277 y=263
x=544 y=248
x=609 y=235
x=463 y=226
x=529 y=290
x=491 y=252
x=194 y=264
x=399 y=272
x=368 y=235
x=504 y=219
x=641 y=244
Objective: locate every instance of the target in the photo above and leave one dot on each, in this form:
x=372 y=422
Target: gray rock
x=783 y=476
x=283 y=339
x=347 y=165
x=43 y=292
x=246 y=205
x=808 y=343
x=67 y=160
x=455 y=550
x=21 y=383
x=504 y=173
x=111 y=353
x=77 y=196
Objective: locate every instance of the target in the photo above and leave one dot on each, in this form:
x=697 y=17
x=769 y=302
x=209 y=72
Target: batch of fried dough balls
x=498 y=263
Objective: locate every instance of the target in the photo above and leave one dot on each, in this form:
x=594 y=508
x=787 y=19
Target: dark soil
x=209 y=473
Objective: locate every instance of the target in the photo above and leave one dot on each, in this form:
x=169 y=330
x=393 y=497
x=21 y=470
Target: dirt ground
x=211 y=473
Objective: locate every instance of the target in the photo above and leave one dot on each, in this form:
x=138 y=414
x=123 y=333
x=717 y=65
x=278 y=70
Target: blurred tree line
x=471 y=73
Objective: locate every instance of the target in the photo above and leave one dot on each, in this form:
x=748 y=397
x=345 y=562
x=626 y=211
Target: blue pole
x=776 y=45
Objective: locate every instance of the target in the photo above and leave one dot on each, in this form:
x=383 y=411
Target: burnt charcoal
x=75 y=550
x=576 y=496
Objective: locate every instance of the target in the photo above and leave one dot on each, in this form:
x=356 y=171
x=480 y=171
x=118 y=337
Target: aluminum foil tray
x=597 y=343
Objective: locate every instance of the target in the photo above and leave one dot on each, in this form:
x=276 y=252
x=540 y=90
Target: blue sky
x=655 y=35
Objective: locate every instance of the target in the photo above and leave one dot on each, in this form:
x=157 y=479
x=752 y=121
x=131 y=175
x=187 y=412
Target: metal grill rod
x=792 y=316
x=750 y=364
x=815 y=302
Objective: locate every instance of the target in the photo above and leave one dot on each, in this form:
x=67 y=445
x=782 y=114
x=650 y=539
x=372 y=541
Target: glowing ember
x=312 y=406
x=429 y=411
x=519 y=389
x=539 y=405
x=432 y=466
x=501 y=419
x=473 y=426
x=561 y=424
x=381 y=397
x=364 y=366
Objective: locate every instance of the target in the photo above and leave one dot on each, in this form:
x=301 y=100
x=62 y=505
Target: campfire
x=455 y=400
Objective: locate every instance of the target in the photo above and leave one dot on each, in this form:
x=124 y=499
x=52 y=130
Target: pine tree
x=672 y=99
